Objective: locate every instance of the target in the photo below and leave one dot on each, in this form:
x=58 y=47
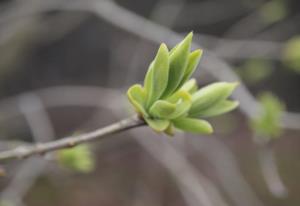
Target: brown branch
x=71 y=141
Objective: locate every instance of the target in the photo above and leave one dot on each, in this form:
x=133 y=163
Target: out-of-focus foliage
x=255 y=70
x=274 y=11
x=169 y=99
x=5 y=203
x=79 y=158
x=291 y=54
x=2 y=172
x=267 y=125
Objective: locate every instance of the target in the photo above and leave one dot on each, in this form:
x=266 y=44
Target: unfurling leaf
x=148 y=78
x=210 y=95
x=162 y=109
x=137 y=96
x=158 y=125
x=192 y=125
x=193 y=61
x=218 y=109
x=178 y=63
x=183 y=101
x=159 y=75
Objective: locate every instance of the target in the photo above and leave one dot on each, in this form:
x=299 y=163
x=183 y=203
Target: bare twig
x=40 y=125
x=23 y=152
x=227 y=170
x=270 y=172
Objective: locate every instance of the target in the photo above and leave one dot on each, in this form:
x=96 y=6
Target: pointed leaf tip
x=178 y=62
x=193 y=61
x=211 y=95
x=190 y=86
x=158 y=77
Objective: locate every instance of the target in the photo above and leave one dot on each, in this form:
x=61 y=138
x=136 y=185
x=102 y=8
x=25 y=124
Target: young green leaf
x=158 y=125
x=210 y=96
x=192 y=125
x=193 y=62
x=137 y=96
x=178 y=63
x=183 y=101
x=159 y=75
x=218 y=109
x=148 y=78
x=174 y=48
x=190 y=86
x=162 y=109
x=175 y=106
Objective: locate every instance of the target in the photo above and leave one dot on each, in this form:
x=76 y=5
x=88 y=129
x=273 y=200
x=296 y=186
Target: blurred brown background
x=68 y=64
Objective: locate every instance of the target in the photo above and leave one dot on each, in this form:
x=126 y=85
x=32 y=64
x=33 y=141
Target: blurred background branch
x=96 y=45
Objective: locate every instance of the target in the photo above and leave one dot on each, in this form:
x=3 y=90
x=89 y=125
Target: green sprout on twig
x=267 y=124
x=170 y=99
x=79 y=158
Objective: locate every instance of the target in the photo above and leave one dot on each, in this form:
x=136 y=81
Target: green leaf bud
x=178 y=63
x=218 y=109
x=79 y=158
x=137 y=96
x=192 y=125
x=159 y=125
x=158 y=78
x=210 y=96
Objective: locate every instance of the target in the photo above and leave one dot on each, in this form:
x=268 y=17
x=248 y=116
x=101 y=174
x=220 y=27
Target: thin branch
x=227 y=170
x=35 y=113
x=67 y=142
x=270 y=172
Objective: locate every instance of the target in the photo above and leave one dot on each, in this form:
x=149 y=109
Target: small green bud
x=274 y=11
x=79 y=158
x=291 y=54
x=267 y=124
x=255 y=70
x=169 y=99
